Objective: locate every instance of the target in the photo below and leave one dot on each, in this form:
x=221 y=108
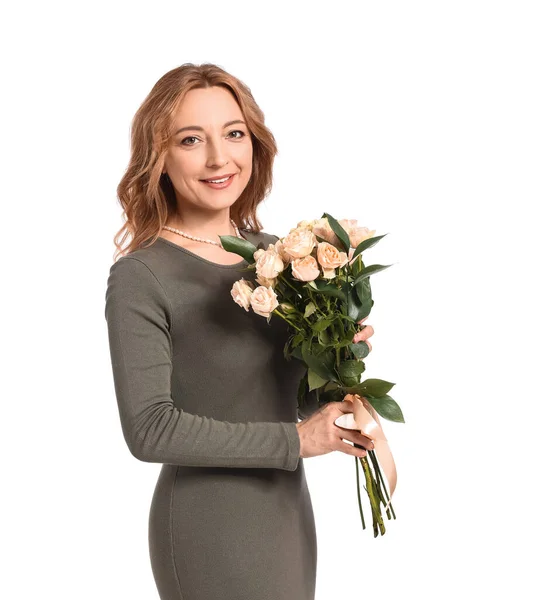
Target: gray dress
x=202 y=387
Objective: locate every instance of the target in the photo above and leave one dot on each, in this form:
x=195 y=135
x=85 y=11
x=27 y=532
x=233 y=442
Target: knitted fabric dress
x=203 y=388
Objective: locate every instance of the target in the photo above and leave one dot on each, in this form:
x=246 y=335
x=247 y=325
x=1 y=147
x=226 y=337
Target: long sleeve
x=138 y=315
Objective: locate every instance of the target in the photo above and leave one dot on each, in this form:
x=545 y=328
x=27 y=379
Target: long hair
x=147 y=195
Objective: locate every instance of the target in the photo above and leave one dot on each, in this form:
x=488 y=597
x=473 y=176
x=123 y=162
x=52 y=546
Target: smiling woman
x=213 y=153
x=202 y=386
x=197 y=123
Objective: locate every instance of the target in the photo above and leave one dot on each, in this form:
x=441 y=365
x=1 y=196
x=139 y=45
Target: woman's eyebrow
x=196 y=127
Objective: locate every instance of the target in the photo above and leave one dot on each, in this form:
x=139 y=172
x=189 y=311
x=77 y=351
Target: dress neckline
x=241 y=263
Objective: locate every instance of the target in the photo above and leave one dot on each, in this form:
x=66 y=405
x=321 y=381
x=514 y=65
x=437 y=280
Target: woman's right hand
x=319 y=435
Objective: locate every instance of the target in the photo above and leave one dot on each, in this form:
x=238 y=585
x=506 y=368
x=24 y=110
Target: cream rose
x=322 y=228
x=266 y=282
x=329 y=257
x=242 y=292
x=280 y=249
x=263 y=301
x=299 y=242
x=355 y=233
x=347 y=224
x=305 y=224
x=358 y=234
x=305 y=269
x=268 y=262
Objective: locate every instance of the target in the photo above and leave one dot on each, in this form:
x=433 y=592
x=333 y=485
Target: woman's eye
x=192 y=137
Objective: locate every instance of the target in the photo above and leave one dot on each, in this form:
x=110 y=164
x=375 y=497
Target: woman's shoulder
x=152 y=253
x=142 y=266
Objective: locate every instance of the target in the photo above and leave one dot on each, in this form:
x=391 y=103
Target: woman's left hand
x=366 y=332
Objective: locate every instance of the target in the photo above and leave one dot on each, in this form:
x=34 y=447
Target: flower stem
x=283 y=317
x=284 y=279
x=377 y=520
x=316 y=305
x=379 y=473
x=359 y=493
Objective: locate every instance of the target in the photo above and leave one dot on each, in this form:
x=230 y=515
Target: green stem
x=378 y=496
x=284 y=279
x=283 y=317
x=377 y=520
x=359 y=492
x=313 y=300
x=377 y=480
x=379 y=473
x=287 y=282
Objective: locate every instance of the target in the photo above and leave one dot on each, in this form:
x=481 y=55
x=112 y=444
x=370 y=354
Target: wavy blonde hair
x=147 y=195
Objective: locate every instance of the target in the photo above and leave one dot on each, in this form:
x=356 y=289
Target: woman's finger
x=361 y=336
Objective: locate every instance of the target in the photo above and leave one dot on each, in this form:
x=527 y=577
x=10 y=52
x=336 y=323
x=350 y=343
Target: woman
x=202 y=386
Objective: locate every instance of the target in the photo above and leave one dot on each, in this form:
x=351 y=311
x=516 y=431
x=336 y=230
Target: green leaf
x=371 y=387
x=363 y=290
x=347 y=318
x=243 y=248
x=360 y=350
x=368 y=243
x=346 y=287
x=322 y=364
x=297 y=353
x=314 y=381
x=350 y=371
x=324 y=338
x=358 y=310
x=321 y=325
x=297 y=339
x=388 y=408
x=310 y=309
x=339 y=231
x=378 y=387
x=329 y=289
x=347 y=338
x=351 y=368
x=370 y=270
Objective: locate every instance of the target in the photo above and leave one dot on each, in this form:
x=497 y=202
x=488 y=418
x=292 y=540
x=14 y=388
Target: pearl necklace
x=198 y=239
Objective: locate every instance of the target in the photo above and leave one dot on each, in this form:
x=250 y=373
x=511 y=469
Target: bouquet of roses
x=314 y=278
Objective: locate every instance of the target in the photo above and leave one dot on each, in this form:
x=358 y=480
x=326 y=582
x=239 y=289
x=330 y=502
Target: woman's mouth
x=219 y=183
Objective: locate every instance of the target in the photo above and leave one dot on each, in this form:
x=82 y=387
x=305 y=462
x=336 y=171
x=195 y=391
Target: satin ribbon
x=365 y=419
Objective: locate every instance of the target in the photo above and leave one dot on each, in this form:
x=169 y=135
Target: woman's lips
x=220 y=186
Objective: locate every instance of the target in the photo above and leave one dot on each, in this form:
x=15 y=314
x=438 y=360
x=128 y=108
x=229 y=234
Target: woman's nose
x=217 y=156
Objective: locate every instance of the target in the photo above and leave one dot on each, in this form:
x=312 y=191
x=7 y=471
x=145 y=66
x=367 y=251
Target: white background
x=428 y=121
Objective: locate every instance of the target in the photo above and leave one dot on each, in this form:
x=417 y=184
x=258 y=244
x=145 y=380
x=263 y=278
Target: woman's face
x=209 y=147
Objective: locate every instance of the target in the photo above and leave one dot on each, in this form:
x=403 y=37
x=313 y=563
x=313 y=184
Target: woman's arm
x=138 y=317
